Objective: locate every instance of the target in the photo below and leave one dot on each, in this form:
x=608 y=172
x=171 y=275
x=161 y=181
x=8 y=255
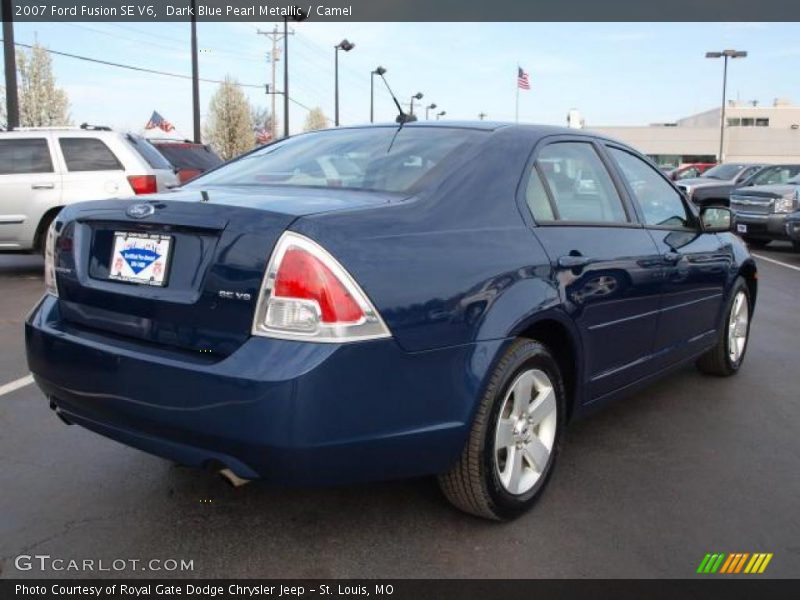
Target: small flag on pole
x=523 y=81
x=158 y=122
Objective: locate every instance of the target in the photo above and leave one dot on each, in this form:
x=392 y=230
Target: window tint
x=88 y=154
x=660 y=203
x=29 y=155
x=147 y=151
x=579 y=184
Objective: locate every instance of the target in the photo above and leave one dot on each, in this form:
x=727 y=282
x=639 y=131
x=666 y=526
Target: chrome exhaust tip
x=232 y=478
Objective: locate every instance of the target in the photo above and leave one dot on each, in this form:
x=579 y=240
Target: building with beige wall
x=762 y=134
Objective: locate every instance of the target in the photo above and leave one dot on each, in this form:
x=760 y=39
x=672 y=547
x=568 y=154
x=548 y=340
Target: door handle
x=672 y=257
x=573 y=262
x=42 y=186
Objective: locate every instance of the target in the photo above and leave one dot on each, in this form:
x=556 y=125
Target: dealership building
x=753 y=133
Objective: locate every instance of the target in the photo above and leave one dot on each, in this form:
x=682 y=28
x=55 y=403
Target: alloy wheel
x=738 y=327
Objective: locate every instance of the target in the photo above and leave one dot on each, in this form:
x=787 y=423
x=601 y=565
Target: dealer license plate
x=140 y=258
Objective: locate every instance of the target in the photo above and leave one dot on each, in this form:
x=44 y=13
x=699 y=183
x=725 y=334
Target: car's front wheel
x=725 y=358
x=514 y=439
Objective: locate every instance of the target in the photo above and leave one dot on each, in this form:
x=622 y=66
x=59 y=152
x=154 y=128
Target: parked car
x=689 y=171
x=472 y=290
x=713 y=187
x=763 y=211
x=44 y=169
x=793 y=229
x=189 y=159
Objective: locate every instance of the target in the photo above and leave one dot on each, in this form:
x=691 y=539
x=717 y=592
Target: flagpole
x=516 y=111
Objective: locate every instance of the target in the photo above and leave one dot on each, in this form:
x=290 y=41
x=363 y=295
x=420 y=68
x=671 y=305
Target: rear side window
x=576 y=186
x=148 y=152
x=29 y=155
x=661 y=204
x=88 y=154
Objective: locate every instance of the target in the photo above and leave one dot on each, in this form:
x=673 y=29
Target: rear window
x=380 y=158
x=88 y=154
x=189 y=156
x=29 y=155
x=148 y=152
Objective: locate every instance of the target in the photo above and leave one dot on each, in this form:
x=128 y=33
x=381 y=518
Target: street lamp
x=428 y=108
x=417 y=96
x=726 y=54
x=440 y=114
x=346 y=46
x=378 y=71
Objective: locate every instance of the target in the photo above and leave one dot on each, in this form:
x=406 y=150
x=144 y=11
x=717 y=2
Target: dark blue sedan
x=382 y=302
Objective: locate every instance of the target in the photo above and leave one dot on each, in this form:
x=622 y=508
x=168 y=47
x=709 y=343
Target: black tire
x=473 y=484
x=717 y=360
x=41 y=232
x=756 y=242
x=796 y=245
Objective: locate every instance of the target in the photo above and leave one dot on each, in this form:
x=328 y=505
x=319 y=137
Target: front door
x=696 y=264
x=605 y=264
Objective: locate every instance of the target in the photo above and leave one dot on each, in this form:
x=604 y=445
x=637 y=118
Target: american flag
x=262 y=135
x=523 y=81
x=157 y=121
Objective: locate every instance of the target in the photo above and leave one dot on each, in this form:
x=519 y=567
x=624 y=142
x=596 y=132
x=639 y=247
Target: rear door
x=91 y=170
x=695 y=264
x=604 y=262
x=29 y=187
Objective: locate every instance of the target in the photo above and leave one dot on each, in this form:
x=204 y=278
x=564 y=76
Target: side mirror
x=716 y=219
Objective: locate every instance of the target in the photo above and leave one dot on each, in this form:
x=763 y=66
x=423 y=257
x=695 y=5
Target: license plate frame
x=132 y=258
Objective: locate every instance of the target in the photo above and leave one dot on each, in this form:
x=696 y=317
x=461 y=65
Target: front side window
x=661 y=205
x=387 y=159
x=578 y=183
x=88 y=154
x=25 y=155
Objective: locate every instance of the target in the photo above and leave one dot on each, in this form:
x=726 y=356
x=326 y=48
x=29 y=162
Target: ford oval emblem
x=140 y=211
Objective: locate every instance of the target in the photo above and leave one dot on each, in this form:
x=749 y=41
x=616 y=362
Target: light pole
x=378 y=71
x=428 y=109
x=195 y=78
x=440 y=114
x=726 y=54
x=299 y=15
x=482 y=115
x=417 y=96
x=346 y=46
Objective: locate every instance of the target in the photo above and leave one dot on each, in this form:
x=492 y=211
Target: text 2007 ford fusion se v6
x=380 y=302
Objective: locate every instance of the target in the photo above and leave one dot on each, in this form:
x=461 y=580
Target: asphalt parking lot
x=644 y=488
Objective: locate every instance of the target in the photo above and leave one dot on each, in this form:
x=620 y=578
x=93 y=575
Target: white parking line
x=777 y=262
x=15 y=385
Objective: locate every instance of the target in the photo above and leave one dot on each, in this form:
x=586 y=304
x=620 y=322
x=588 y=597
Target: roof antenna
x=402 y=117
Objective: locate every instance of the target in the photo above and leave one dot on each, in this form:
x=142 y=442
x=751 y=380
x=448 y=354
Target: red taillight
x=143 y=184
x=303 y=276
x=308 y=295
x=185 y=175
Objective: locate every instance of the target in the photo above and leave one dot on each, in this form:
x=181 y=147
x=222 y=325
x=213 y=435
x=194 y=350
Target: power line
x=152 y=71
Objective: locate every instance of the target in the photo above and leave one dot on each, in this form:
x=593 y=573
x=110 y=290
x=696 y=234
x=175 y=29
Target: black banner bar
x=405 y=10
x=706 y=588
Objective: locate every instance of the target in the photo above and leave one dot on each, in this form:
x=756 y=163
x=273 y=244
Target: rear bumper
x=769 y=226
x=288 y=412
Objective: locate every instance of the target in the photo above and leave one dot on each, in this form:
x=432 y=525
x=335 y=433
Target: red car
x=189 y=159
x=689 y=170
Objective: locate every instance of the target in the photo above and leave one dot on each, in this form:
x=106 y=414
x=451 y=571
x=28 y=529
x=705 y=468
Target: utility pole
x=274 y=57
x=195 y=78
x=12 y=100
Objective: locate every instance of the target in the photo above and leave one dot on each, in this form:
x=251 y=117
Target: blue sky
x=614 y=73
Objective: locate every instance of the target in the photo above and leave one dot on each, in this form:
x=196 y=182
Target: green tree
x=41 y=102
x=229 y=128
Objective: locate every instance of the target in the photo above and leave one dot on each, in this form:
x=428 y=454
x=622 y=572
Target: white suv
x=43 y=169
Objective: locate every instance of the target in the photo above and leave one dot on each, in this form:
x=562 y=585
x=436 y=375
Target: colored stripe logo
x=734 y=563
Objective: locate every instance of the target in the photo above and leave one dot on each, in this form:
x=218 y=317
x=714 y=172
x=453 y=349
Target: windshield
x=368 y=158
x=723 y=171
x=775 y=175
